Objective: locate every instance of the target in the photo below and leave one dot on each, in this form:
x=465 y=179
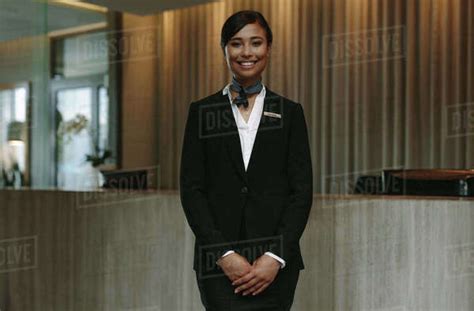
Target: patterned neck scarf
x=241 y=99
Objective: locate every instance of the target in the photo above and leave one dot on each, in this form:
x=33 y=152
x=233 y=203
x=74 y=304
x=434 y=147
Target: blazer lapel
x=273 y=104
x=232 y=140
x=235 y=151
x=270 y=120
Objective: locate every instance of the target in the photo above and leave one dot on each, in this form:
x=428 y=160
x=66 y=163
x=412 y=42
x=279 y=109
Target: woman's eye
x=235 y=44
x=257 y=43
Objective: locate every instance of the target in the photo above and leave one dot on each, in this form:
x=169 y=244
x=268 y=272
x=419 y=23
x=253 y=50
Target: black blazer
x=272 y=199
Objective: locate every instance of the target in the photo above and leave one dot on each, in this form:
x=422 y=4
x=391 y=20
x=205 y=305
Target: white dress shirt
x=248 y=132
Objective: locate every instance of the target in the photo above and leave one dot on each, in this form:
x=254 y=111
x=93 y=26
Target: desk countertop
x=316 y=196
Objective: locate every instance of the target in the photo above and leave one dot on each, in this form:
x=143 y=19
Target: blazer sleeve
x=193 y=192
x=300 y=178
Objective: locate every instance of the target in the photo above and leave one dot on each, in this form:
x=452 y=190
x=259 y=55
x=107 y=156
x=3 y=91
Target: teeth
x=247 y=63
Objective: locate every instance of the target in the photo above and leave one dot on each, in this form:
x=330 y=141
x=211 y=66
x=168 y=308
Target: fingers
x=254 y=286
x=261 y=289
x=258 y=283
x=252 y=289
x=244 y=279
x=249 y=284
x=262 y=274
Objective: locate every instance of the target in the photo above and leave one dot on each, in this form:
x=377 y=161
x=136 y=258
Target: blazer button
x=244 y=190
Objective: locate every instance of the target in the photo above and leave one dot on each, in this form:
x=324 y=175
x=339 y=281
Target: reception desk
x=133 y=251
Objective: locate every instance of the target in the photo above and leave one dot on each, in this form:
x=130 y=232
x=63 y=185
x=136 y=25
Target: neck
x=247 y=83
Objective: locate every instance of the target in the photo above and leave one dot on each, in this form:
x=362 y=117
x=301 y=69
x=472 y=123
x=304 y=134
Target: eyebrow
x=239 y=38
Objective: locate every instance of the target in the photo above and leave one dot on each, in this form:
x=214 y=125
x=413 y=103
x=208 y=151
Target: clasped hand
x=249 y=279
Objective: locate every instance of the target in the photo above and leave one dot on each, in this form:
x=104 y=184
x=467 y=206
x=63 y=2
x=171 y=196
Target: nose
x=247 y=50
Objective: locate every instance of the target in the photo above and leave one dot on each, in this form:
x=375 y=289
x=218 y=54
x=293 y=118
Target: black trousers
x=217 y=293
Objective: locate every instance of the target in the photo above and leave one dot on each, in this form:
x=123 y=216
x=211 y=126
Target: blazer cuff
x=280 y=260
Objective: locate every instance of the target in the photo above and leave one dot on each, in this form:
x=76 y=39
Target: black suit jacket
x=271 y=200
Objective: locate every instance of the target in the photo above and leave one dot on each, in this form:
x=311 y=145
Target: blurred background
x=100 y=86
x=95 y=94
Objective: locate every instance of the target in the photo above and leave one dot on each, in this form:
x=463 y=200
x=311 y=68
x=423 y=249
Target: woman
x=246 y=180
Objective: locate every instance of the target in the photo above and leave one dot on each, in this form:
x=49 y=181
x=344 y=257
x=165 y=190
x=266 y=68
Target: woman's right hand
x=234 y=266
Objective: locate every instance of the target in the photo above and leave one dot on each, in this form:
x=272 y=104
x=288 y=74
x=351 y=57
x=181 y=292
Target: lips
x=247 y=64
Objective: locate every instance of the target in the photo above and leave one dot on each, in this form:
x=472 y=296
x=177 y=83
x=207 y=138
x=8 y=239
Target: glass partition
x=14 y=135
x=27 y=30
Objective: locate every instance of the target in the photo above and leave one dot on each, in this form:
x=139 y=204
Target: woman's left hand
x=264 y=270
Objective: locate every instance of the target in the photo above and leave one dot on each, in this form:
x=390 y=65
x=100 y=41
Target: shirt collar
x=257 y=110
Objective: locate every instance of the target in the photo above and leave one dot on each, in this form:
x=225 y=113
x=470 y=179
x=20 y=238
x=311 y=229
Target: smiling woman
x=246 y=240
x=246 y=46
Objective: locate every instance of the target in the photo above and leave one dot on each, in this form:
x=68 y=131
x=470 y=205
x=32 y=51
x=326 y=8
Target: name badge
x=272 y=114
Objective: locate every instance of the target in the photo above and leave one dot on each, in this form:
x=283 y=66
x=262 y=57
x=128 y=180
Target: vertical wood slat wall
x=363 y=117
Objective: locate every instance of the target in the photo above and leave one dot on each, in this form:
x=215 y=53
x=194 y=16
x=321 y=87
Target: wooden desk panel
x=133 y=251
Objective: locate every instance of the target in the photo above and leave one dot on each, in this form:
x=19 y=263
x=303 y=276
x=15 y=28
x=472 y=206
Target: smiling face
x=247 y=54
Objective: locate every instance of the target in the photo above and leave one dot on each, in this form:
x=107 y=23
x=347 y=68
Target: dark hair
x=239 y=20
